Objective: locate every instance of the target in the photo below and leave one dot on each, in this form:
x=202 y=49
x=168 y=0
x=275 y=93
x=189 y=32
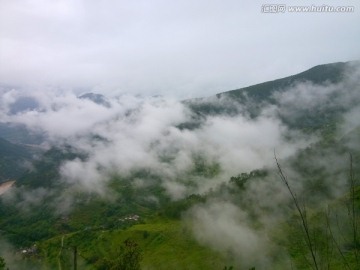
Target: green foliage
x=98 y=226
x=146 y=234
x=23 y=228
x=168 y=245
x=128 y=258
x=2 y=263
x=176 y=208
x=318 y=75
x=46 y=170
x=205 y=168
x=327 y=239
x=250 y=101
x=241 y=180
x=331 y=235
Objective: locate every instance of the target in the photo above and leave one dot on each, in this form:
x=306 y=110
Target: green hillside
x=299 y=212
x=164 y=244
x=328 y=73
x=251 y=100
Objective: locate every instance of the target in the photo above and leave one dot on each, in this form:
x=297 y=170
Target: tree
x=129 y=257
x=303 y=217
x=2 y=264
x=321 y=241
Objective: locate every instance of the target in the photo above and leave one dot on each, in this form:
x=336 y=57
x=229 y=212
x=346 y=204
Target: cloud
x=183 y=49
x=13 y=257
x=225 y=227
x=135 y=133
x=314 y=103
x=26 y=199
x=148 y=138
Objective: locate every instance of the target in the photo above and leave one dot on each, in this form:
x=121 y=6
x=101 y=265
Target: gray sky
x=173 y=48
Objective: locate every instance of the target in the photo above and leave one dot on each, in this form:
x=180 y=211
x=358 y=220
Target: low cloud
x=225 y=227
x=131 y=134
x=326 y=101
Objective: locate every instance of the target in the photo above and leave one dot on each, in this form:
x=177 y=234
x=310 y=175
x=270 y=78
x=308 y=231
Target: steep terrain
x=187 y=211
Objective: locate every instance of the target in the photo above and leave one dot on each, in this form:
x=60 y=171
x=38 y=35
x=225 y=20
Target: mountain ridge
x=319 y=74
x=59 y=207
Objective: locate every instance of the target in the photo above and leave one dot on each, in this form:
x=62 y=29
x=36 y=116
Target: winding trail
x=60 y=252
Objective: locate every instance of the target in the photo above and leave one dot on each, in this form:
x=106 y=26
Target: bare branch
x=302 y=214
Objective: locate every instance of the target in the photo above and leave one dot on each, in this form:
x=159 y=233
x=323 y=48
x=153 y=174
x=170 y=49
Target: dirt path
x=59 y=256
x=6 y=186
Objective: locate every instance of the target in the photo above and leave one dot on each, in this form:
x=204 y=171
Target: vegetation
x=2 y=263
x=129 y=257
x=97 y=228
x=52 y=223
x=157 y=244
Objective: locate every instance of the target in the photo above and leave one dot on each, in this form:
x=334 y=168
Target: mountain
x=321 y=74
x=96 y=98
x=253 y=99
x=245 y=219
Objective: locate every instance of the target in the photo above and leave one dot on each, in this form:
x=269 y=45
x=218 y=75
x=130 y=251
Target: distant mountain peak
x=96 y=98
x=318 y=75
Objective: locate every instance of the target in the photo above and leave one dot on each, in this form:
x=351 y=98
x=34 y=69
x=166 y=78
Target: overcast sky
x=174 y=48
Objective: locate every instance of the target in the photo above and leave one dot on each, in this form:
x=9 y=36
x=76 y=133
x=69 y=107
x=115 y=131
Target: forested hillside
x=263 y=177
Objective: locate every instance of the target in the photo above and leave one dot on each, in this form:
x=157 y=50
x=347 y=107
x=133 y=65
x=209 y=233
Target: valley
x=263 y=177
